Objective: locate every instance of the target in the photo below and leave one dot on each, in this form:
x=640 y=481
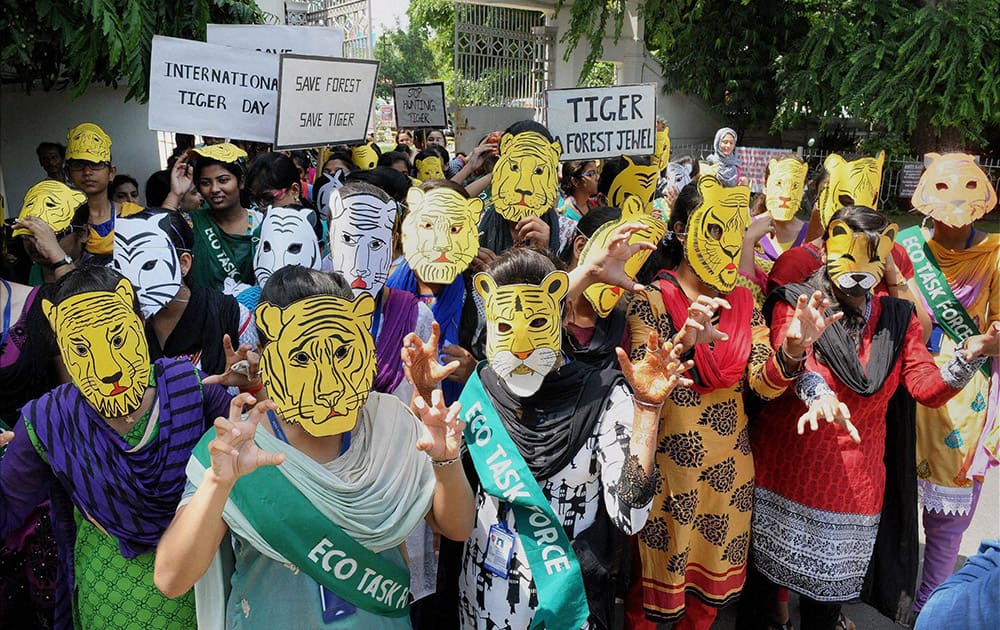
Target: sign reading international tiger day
x=212 y=90
x=420 y=105
x=323 y=101
x=602 y=122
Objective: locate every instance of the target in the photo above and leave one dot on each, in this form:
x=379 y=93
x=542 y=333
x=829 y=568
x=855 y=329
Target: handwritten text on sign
x=324 y=100
x=420 y=105
x=277 y=39
x=212 y=90
x=603 y=121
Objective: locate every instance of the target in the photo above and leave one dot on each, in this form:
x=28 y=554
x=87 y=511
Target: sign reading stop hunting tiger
x=599 y=122
x=323 y=100
x=420 y=105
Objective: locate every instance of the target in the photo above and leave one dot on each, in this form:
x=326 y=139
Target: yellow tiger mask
x=88 y=142
x=523 y=329
x=715 y=233
x=786 y=177
x=319 y=360
x=854 y=262
x=365 y=156
x=429 y=168
x=954 y=190
x=635 y=180
x=604 y=297
x=51 y=201
x=103 y=345
x=440 y=236
x=854 y=183
x=525 y=177
x=661 y=152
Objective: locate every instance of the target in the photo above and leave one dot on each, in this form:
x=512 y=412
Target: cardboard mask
x=854 y=183
x=523 y=329
x=440 y=236
x=287 y=237
x=604 y=297
x=953 y=189
x=145 y=255
x=328 y=183
x=225 y=152
x=319 y=361
x=365 y=156
x=786 y=177
x=638 y=180
x=88 y=142
x=715 y=233
x=678 y=174
x=854 y=263
x=429 y=168
x=661 y=152
x=51 y=201
x=361 y=239
x=104 y=348
x=525 y=177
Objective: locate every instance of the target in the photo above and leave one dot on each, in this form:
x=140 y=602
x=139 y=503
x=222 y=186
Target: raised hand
x=533 y=232
x=241 y=367
x=5 y=438
x=808 y=323
x=441 y=436
x=233 y=451
x=608 y=266
x=832 y=410
x=698 y=328
x=658 y=373
x=420 y=363
x=984 y=345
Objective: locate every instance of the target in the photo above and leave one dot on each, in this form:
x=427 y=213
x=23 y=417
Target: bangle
x=785 y=354
x=443 y=462
x=647 y=405
x=899 y=285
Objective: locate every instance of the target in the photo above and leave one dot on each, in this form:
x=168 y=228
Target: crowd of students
x=353 y=389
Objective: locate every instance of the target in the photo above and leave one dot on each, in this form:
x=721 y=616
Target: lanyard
x=345 y=441
x=6 y=312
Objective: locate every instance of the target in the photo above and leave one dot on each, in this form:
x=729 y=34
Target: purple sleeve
x=24 y=481
x=215 y=402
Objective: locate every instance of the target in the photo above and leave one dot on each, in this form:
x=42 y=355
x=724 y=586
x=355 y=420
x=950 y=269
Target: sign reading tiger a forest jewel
x=597 y=122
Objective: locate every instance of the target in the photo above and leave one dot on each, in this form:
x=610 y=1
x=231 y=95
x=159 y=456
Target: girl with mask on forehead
x=319 y=483
x=851 y=373
x=728 y=172
x=109 y=450
x=693 y=550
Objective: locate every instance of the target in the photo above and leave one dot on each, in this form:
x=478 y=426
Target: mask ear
x=268 y=319
x=890 y=232
x=833 y=161
x=414 y=198
x=484 y=285
x=556 y=151
x=475 y=207
x=929 y=159
x=505 y=143
x=50 y=312
x=839 y=228
x=880 y=159
x=556 y=284
x=125 y=292
x=631 y=207
x=708 y=186
x=363 y=307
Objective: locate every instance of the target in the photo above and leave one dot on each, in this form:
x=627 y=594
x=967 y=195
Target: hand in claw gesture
x=241 y=367
x=832 y=410
x=808 y=323
x=441 y=436
x=609 y=265
x=658 y=373
x=421 y=365
x=698 y=327
x=233 y=451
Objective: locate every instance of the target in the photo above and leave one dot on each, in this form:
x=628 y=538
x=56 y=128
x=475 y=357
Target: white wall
x=28 y=119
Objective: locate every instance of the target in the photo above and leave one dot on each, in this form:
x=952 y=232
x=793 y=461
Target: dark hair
x=271 y=171
x=201 y=162
x=586 y=227
x=290 y=284
x=157 y=188
x=89 y=278
x=340 y=154
x=391 y=157
x=118 y=181
x=45 y=146
x=611 y=168
x=523 y=265
x=441 y=153
x=431 y=184
x=402 y=148
x=572 y=170
x=394 y=183
x=522 y=126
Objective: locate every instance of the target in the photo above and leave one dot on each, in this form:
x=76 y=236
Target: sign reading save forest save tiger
x=598 y=122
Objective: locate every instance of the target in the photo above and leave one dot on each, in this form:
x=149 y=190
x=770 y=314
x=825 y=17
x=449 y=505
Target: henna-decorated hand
x=658 y=373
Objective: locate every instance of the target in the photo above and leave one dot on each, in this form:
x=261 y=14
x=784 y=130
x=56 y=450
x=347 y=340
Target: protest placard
x=326 y=41
x=323 y=100
x=212 y=90
x=597 y=122
x=420 y=105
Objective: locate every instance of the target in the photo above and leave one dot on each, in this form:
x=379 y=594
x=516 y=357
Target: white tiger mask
x=287 y=237
x=146 y=256
x=361 y=238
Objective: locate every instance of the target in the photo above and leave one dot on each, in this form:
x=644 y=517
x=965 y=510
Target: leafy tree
x=75 y=43
x=437 y=18
x=404 y=56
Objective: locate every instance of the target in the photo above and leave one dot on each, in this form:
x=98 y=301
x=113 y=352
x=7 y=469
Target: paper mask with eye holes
x=361 y=239
x=786 y=177
x=328 y=183
x=715 y=232
x=146 y=256
x=103 y=345
x=954 y=190
x=51 y=201
x=88 y=142
x=319 y=360
x=678 y=175
x=854 y=183
x=635 y=180
x=525 y=177
x=429 y=167
x=440 y=236
x=854 y=263
x=287 y=237
x=523 y=329
x=661 y=152
x=604 y=297
x=365 y=156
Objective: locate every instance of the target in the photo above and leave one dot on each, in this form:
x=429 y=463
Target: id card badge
x=499 y=550
x=934 y=341
x=334 y=608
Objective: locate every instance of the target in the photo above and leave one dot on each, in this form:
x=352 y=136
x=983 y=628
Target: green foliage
x=437 y=17
x=602 y=73
x=404 y=57
x=75 y=43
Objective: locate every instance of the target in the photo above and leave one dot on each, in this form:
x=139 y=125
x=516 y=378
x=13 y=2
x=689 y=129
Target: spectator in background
x=51 y=156
x=124 y=188
x=395 y=160
x=53 y=225
x=728 y=172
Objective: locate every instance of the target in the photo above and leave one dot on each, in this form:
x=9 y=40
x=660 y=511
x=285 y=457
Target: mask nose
x=522 y=355
x=111 y=380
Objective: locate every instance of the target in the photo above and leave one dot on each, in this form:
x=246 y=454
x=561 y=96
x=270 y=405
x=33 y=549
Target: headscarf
x=729 y=165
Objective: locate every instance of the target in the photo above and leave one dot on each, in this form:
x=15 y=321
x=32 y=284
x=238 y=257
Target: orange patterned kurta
x=697 y=535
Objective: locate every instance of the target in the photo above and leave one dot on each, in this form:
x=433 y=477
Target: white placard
x=324 y=100
x=326 y=41
x=212 y=90
x=599 y=122
x=420 y=105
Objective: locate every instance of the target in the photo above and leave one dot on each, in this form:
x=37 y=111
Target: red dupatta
x=720 y=365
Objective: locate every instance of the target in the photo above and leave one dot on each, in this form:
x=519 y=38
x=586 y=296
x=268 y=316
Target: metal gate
x=502 y=56
x=354 y=16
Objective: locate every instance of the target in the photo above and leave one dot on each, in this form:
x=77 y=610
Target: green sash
x=562 y=601
x=281 y=515
x=951 y=316
x=211 y=238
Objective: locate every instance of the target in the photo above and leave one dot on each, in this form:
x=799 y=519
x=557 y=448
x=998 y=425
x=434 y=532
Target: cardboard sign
x=212 y=90
x=277 y=39
x=420 y=105
x=323 y=100
x=754 y=161
x=909 y=177
x=603 y=121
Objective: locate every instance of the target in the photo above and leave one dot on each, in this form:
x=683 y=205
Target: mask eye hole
x=455 y=229
x=295 y=248
x=539 y=170
x=80 y=349
x=117 y=341
x=341 y=352
x=300 y=358
x=148 y=265
x=514 y=167
x=267 y=246
x=503 y=327
x=941 y=186
x=846 y=200
x=538 y=322
x=972 y=184
x=715 y=231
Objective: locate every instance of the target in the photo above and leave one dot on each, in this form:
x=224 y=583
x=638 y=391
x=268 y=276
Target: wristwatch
x=65 y=261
